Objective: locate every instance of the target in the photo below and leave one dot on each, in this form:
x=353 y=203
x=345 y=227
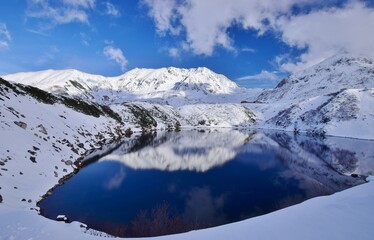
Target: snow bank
x=344 y=215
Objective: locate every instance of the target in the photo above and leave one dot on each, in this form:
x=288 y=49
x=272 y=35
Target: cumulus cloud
x=317 y=28
x=63 y=12
x=328 y=31
x=206 y=23
x=5 y=37
x=116 y=55
x=263 y=75
x=111 y=10
x=164 y=14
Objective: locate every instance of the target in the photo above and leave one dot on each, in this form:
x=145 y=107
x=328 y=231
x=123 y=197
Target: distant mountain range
x=51 y=120
x=333 y=97
x=176 y=85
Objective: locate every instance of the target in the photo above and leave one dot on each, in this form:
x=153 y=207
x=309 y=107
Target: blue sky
x=255 y=43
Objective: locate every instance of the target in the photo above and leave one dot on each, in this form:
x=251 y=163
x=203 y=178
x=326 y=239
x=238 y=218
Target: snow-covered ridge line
x=175 y=85
x=333 y=97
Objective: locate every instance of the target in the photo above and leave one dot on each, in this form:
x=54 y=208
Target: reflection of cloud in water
x=204 y=209
x=189 y=150
x=116 y=181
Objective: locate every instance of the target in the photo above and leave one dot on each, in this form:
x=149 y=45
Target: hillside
x=42 y=137
x=47 y=132
x=333 y=75
x=333 y=97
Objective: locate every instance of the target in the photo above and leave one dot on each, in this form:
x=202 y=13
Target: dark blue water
x=177 y=182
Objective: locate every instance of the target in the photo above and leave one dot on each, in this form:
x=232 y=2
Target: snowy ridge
x=333 y=97
x=172 y=85
x=342 y=71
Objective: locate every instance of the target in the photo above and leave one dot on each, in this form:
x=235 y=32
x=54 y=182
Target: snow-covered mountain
x=46 y=133
x=337 y=73
x=333 y=97
x=166 y=85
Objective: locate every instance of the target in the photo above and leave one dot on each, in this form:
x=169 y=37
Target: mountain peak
x=345 y=59
x=335 y=73
x=138 y=83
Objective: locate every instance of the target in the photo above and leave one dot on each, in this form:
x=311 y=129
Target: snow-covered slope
x=42 y=134
x=346 y=214
x=166 y=85
x=63 y=82
x=334 y=97
x=41 y=138
x=342 y=71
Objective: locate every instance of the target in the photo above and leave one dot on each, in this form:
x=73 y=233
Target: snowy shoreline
x=352 y=204
x=44 y=133
x=343 y=215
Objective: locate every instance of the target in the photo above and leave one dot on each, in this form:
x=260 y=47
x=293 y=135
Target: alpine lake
x=171 y=182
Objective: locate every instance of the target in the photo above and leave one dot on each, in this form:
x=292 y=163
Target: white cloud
x=5 y=36
x=164 y=14
x=108 y=42
x=173 y=52
x=64 y=12
x=111 y=10
x=247 y=49
x=206 y=23
x=263 y=75
x=116 y=55
x=327 y=32
x=85 y=39
x=319 y=28
x=47 y=56
x=38 y=32
x=80 y=3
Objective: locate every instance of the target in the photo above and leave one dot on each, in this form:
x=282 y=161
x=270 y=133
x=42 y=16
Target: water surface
x=170 y=182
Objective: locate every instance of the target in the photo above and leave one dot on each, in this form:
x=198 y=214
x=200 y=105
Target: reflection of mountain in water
x=203 y=179
x=319 y=165
x=187 y=150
